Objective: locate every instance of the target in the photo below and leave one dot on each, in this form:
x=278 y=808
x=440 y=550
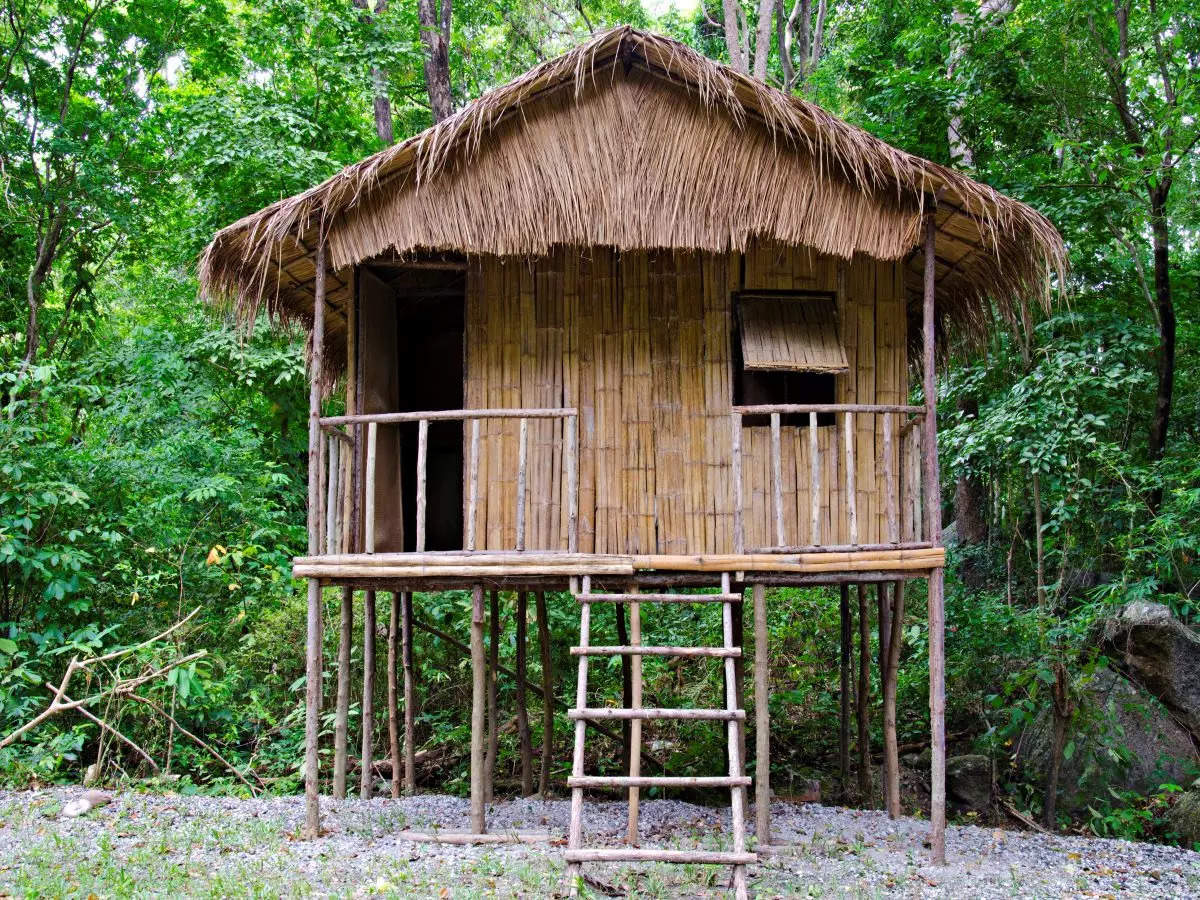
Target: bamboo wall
x=640 y=343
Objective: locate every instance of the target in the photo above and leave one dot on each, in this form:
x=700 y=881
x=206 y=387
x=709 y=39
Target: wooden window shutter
x=790 y=333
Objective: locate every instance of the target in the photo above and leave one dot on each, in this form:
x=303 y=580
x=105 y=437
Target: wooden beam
x=442 y=415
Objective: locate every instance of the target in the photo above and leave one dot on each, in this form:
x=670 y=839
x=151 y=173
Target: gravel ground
x=167 y=845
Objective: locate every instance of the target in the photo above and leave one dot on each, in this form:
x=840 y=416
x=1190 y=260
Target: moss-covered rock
x=1185 y=818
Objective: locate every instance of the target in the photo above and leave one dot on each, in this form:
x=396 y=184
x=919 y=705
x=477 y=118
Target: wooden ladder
x=736 y=781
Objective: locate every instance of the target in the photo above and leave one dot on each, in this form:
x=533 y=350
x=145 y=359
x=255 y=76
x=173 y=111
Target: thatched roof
x=633 y=140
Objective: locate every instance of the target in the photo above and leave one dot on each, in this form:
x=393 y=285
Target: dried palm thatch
x=634 y=141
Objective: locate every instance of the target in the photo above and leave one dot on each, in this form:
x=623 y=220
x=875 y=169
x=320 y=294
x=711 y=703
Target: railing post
x=522 y=456
x=777 y=479
x=572 y=426
x=422 y=454
x=473 y=486
x=851 y=486
x=333 y=472
x=814 y=461
x=889 y=480
x=739 y=524
x=369 y=490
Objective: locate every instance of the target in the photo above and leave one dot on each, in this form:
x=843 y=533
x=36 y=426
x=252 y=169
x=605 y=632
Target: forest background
x=152 y=460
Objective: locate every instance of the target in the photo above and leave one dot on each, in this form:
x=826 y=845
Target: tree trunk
x=493 y=746
x=543 y=627
x=863 y=712
x=435 y=36
x=379 y=81
x=844 y=717
x=522 y=711
x=368 y=697
x=1061 y=709
x=393 y=692
x=1161 y=421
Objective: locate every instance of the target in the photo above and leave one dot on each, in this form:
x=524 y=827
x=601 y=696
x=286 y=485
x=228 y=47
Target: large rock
x=969 y=782
x=1184 y=817
x=1156 y=749
x=1160 y=654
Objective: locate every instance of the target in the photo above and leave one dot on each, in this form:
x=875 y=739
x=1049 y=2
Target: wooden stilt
x=626 y=680
x=844 y=710
x=933 y=527
x=393 y=692
x=739 y=673
x=365 y=782
x=543 y=627
x=575 y=828
x=635 y=726
x=762 y=718
x=863 y=710
x=891 y=746
x=493 y=745
x=410 y=709
x=526 y=743
x=883 y=621
x=341 y=727
x=478 y=703
x=737 y=795
x=312 y=648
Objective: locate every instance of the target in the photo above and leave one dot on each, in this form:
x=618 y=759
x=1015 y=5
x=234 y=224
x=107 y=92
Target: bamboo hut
x=630 y=323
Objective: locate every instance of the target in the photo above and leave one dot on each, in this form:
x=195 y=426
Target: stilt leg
x=393 y=692
x=844 y=720
x=493 y=711
x=635 y=726
x=523 y=739
x=365 y=782
x=312 y=713
x=762 y=718
x=547 y=696
x=406 y=653
x=341 y=726
x=937 y=718
x=891 y=746
x=478 y=703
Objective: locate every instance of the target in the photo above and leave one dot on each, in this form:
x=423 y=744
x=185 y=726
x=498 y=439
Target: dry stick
x=478 y=701
x=762 y=718
x=406 y=650
x=543 y=627
x=862 y=711
x=524 y=739
x=393 y=691
x=844 y=717
x=162 y=712
x=891 y=750
x=368 y=697
x=109 y=728
x=493 y=745
x=341 y=728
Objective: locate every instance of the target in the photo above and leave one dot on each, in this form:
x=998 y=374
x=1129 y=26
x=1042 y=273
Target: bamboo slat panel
x=791 y=334
x=640 y=344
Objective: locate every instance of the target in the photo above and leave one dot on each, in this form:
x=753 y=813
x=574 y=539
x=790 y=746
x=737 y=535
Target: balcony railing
x=896 y=478
x=337 y=466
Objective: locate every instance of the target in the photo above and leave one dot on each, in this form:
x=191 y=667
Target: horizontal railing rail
x=337 y=465
x=900 y=495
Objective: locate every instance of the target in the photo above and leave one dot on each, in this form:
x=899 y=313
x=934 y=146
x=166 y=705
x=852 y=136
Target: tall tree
x=435 y=36
x=380 y=100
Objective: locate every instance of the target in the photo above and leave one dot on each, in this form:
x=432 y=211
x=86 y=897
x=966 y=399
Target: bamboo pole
x=368 y=698
x=493 y=744
x=851 y=486
x=844 y=706
x=478 y=702
x=473 y=487
x=369 y=490
x=762 y=718
x=341 y=728
x=575 y=828
x=524 y=739
x=635 y=727
x=422 y=466
x=626 y=675
x=739 y=522
x=883 y=620
x=890 y=490
x=863 y=710
x=312 y=654
x=933 y=513
x=737 y=795
x=406 y=653
x=543 y=627
x=572 y=484
x=522 y=456
x=393 y=691
x=442 y=415
x=777 y=479
x=814 y=465
x=333 y=472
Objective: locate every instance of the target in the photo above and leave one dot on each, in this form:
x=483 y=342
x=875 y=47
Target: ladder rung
x=647 y=781
x=610 y=712
x=631 y=854
x=659 y=598
x=643 y=650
